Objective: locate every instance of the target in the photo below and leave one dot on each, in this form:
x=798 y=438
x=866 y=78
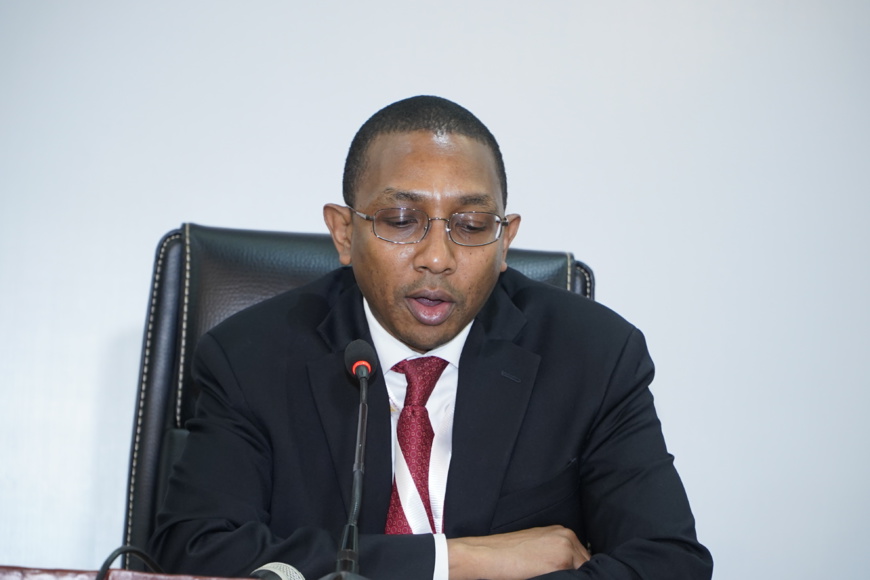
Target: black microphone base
x=343 y=576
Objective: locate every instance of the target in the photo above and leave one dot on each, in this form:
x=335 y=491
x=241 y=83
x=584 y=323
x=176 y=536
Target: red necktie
x=414 y=433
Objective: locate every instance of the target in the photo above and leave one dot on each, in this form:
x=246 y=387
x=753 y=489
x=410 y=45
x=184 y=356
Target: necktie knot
x=422 y=374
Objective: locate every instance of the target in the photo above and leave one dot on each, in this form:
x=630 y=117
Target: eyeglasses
x=402 y=225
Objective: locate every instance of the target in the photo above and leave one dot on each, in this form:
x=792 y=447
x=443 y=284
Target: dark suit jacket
x=554 y=424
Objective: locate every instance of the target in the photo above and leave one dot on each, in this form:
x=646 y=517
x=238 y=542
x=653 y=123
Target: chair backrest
x=201 y=276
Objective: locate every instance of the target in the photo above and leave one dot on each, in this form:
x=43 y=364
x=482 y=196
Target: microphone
x=277 y=571
x=361 y=361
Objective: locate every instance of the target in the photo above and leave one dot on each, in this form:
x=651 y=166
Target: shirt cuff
x=442 y=566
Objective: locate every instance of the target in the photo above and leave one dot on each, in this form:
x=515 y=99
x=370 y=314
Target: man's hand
x=515 y=556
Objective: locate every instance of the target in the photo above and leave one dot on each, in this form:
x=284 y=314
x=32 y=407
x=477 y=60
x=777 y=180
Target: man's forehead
x=389 y=151
x=408 y=141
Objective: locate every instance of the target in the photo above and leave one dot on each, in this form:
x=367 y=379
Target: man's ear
x=339 y=220
x=510 y=232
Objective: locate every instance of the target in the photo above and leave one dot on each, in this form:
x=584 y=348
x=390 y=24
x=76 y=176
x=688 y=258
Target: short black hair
x=421 y=113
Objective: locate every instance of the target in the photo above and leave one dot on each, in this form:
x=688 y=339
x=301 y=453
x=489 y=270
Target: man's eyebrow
x=479 y=199
x=401 y=195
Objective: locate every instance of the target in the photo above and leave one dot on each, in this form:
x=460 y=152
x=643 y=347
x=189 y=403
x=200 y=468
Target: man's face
x=423 y=293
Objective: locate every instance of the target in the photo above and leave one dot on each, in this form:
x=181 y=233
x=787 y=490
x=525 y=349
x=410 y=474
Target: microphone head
x=277 y=571
x=360 y=358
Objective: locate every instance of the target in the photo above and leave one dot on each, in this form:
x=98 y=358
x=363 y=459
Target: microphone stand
x=347 y=561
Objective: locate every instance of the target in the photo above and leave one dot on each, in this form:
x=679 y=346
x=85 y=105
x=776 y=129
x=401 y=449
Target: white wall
x=708 y=159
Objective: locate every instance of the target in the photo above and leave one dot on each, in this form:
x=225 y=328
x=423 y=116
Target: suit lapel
x=495 y=382
x=336 y=396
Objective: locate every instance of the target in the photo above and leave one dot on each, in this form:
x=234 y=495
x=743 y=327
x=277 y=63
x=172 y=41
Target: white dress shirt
x=440 y=408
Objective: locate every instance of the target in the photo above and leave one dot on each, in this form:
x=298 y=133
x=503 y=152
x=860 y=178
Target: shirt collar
x=391 y=350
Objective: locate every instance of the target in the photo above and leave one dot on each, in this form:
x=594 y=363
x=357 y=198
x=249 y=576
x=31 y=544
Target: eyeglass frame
x=502 y=224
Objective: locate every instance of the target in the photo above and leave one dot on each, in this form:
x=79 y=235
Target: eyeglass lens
x=407 y=226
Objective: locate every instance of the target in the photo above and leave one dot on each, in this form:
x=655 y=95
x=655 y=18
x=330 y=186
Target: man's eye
x=400 y=223
x=471 y=226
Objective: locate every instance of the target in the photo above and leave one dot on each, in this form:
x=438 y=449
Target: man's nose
x=436 y=250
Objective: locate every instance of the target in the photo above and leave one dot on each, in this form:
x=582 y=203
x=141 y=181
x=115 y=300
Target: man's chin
x=423 y=342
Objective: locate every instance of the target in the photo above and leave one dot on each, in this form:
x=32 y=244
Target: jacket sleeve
x=216 y=517
x=637 y=516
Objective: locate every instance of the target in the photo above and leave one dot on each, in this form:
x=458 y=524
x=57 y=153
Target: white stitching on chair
x=570 y=264
x=146 y=361
x=183 y=325
x=586 y=275
x=568 y=267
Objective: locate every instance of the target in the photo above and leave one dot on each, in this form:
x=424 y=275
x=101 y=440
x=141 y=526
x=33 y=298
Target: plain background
x=710 y=160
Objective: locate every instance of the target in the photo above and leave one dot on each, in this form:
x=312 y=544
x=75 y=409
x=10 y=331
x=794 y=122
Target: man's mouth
x=430 y=308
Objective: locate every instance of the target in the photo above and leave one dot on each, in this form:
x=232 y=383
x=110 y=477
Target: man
x=541 y=451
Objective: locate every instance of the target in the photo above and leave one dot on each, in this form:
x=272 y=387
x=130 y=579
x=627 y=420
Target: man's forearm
x=516 y=555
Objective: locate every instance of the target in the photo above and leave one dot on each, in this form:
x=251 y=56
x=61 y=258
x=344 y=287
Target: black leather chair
x=202 y=275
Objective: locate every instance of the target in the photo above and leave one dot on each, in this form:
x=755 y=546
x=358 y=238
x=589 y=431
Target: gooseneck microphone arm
x=348 y=554
x=361 y=361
